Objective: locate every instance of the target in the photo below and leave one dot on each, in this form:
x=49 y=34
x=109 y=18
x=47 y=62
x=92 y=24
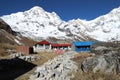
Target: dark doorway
x=31 y=50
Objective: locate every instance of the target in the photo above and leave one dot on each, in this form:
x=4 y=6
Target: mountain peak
x=37 y=8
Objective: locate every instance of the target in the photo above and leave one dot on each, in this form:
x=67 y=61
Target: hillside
x=9 y=39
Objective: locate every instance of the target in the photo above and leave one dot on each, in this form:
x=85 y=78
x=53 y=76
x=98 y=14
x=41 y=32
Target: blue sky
x=66 y=9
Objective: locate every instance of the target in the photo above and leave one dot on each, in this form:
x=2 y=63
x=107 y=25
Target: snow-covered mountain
x=36 y=23
x=103 y=28
x=106 y=27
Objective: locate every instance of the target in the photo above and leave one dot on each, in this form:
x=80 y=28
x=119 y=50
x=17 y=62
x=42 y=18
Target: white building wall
x=39 y=48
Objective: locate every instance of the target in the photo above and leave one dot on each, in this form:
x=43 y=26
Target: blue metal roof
x=85 y=43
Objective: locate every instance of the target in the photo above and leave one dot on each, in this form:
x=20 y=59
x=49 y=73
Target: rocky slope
x=8 y=36
x=56 y=69
x=37 y=24
x=6 y=27
x=6 y=33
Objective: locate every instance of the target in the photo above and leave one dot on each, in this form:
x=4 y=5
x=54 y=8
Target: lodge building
x=46 y=45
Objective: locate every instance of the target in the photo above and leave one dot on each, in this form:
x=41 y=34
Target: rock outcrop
x=108 y=63
x=104 y=47
x=22 y=56
x=56 y=69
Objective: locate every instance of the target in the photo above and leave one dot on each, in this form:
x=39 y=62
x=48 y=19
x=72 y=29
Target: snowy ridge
x=106 y=27
x=36 y=23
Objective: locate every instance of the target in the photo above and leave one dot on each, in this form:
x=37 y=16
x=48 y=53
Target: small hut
x=42 y=45
x=82 y=46
x=25 y=49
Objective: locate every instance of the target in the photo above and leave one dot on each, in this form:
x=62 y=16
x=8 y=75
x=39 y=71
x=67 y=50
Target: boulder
x=104 y=47
x=107 y=63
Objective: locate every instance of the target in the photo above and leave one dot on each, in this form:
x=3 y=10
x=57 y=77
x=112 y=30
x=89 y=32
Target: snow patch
x=18 y=42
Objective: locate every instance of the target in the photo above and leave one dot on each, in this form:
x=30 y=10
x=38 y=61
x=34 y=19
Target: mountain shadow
x=10 y=69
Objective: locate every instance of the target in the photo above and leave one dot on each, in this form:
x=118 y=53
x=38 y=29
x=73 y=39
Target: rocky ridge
x=56 y=69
